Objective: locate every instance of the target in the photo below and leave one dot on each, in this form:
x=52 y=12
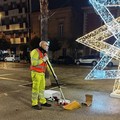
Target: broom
x=67 y=105
x=56 y=79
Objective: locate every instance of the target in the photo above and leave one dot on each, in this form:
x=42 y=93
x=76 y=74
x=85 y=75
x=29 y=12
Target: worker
x=38 y=68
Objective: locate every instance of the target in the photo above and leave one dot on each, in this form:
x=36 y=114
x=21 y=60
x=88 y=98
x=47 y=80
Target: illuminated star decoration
x=96 y=40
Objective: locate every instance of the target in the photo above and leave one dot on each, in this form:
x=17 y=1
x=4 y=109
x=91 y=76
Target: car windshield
x=90 y=57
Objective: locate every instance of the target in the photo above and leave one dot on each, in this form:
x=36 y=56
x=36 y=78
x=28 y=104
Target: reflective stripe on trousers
x=38 y=87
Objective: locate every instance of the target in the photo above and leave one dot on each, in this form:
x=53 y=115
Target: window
x=10 y=19
x=5 y=7
x=6 y=21
x=1 y=8
x=14 y=5
x=21 y=25
x=20 y=10
x=22 y=40
x=7 y=27
x=6 y=13
x=14 y=19
x=61 y=29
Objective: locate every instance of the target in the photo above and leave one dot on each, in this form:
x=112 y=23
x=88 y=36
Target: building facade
x=63 y=23
x=59 y=26
x=14 y=20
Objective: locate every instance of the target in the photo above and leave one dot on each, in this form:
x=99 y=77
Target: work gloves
x=45 y=58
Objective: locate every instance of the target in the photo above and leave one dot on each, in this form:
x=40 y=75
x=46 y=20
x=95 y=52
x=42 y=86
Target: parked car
x=90 y=59
x=93 y=60
x=65 y=60
x=12 y=58
x=113 y=62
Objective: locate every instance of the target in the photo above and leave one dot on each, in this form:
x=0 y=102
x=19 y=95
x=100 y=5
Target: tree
x=34 y=43
x=74 y=47
x=4 y=42
x=55 y=45
x=24 y=47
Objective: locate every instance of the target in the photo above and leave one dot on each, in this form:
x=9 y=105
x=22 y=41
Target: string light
x=96 y=40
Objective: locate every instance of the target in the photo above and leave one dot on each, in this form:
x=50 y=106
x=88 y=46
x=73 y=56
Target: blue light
x=99 y=74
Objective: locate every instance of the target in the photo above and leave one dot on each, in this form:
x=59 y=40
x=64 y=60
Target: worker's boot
x=46 y=105
x=89 y=99
x=37 y=107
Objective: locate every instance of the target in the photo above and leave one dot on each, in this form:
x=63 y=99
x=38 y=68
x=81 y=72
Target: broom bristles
x=72 y=105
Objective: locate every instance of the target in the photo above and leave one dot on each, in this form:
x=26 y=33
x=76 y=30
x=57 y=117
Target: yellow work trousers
x=38 y=87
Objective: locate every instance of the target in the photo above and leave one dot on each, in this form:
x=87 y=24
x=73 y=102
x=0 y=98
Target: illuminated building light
x=95 y=40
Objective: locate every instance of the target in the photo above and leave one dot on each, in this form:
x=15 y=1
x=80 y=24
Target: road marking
x=5 y=74
x=16 y=69
x=7 y=93
x=11 y=79
x=25 y=85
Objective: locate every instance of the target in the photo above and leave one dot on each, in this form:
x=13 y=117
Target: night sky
x=53 y=4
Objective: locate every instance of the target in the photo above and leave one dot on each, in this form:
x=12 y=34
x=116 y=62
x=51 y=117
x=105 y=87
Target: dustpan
x=72 y=105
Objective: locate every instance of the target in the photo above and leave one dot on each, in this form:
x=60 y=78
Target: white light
x=96 y=40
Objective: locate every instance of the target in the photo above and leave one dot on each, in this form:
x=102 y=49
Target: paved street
x=15 y=96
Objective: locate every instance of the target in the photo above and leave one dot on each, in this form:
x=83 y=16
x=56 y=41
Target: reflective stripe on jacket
x=41 y=67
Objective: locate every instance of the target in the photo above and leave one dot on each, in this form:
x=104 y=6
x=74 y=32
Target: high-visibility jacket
x=41 y=68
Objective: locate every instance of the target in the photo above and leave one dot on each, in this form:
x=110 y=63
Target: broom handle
x=56 y=79
x=53 y=73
